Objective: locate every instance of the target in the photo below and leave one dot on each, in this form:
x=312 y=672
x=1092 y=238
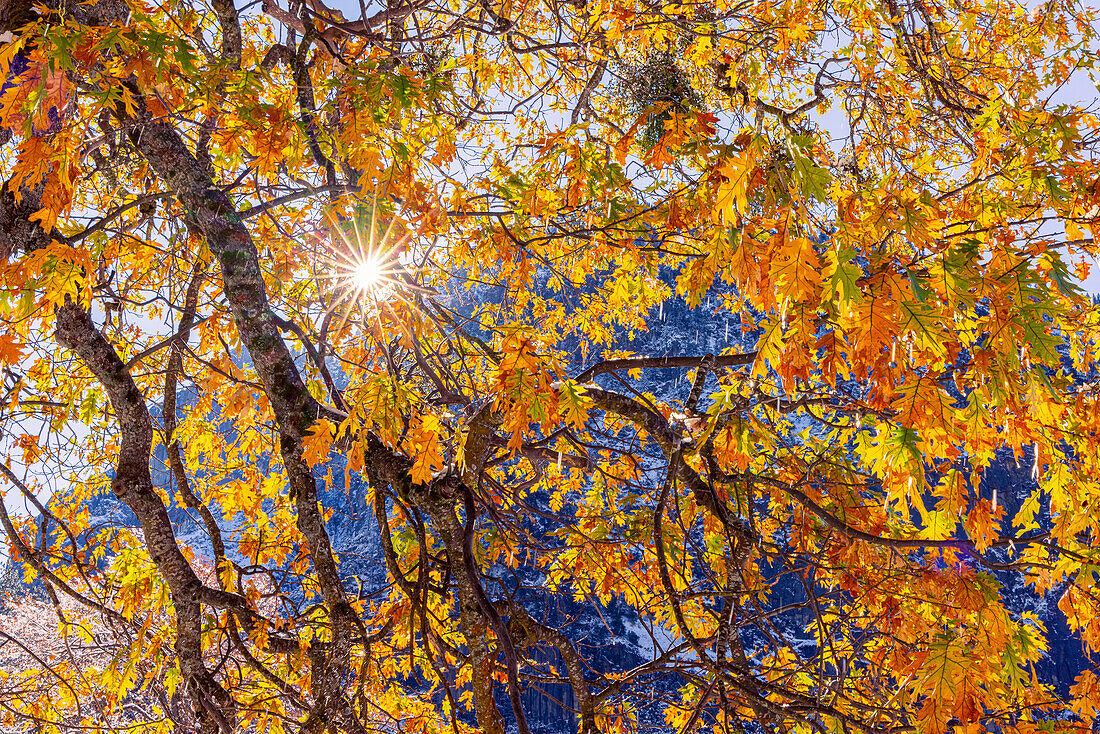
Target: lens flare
x=368 y=274
x=364 y=259
x=364 y=266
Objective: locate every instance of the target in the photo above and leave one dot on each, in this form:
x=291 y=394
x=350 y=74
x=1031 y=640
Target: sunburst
x=365 y=265
x=368 y=275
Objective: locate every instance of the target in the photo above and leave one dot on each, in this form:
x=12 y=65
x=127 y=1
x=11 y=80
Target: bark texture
x=133 y=484
x=211 y=213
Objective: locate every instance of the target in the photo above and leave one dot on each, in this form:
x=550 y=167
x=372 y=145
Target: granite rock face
x=613 y=637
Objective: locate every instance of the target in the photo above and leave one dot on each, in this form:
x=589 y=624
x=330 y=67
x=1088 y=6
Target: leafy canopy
x=378 y=338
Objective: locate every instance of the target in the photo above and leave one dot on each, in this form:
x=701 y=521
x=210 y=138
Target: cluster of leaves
x=264 y=250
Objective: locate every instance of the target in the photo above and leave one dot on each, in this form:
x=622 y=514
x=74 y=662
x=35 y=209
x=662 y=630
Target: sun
x=364 y=275
x=367 y=274
x=364 y=262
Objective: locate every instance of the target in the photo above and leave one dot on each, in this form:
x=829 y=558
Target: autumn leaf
x=317 y=443
x=370 y=369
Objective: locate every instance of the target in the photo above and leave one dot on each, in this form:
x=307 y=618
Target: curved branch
x=133 y=485
x=28 y=554
x=611 y=365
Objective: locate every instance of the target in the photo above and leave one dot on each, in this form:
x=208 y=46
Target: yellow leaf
x=317 y=443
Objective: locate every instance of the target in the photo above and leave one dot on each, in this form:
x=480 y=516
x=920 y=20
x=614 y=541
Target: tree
x=257 y=258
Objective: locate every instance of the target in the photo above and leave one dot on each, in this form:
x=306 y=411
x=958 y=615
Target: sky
x=1081 y=89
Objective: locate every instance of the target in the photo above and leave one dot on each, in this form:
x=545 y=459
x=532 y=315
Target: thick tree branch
x=612 y=365
x=133 y=485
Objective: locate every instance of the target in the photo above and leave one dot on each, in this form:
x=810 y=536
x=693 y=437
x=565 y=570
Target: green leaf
x=1060 y=274
x=843 y=282
x=920 y=290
